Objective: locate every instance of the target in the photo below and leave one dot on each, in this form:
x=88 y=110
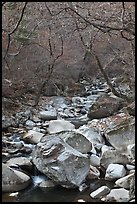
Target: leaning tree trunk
x=114 y=91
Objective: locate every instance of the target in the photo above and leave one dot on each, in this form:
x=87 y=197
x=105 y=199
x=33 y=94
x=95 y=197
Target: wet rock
x=69 y=112
x=60 y=162
x=13 y=145
x=60 y=125
x=115 y=171
x=47 y=184
x=13 y=180
x=103 y=190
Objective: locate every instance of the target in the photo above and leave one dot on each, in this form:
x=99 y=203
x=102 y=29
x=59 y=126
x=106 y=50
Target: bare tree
x=15 y=28
x=53 y=59
x=40 y=38
x=126 y=30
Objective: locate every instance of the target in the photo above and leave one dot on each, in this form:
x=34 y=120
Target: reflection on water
x=54 y=194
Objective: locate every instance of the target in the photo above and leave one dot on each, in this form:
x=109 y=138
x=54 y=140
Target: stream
x=76 y=113
x=33 y=193
x=56 y=194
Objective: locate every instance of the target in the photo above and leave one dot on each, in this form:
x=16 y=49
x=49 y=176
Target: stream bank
x=103 y=137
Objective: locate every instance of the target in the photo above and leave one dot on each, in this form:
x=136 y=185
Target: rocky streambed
x=77 y=149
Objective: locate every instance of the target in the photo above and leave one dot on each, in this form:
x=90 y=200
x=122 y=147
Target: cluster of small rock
x=70 y=155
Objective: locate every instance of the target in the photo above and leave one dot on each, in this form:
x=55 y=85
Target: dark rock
x=105 y=106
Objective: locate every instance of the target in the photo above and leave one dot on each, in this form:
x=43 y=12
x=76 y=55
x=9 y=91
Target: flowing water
x=54 y=194
x=34 y=193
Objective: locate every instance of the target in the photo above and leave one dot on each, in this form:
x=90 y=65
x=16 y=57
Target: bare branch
x=103 y=28
x=51 y=12
x=32 y=43
x=50 y=66
x=48 y=8
x=61 y=53
x=50 y=45
x=16 y=27
x=19 y=21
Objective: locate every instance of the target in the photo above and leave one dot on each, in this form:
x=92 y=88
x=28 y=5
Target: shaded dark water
x=56 y=194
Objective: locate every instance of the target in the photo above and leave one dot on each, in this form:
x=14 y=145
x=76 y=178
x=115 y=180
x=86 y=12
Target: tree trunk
x=114 y=91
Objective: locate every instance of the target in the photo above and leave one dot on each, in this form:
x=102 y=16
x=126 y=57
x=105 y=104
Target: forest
x=68 y=73
x=54 y=45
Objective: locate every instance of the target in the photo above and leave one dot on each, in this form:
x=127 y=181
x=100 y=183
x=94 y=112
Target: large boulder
x=13 y=180
x=92 y=134
x=74 y=139
x=113 y=156
x=122 y=133
x=60 y=162
x=105 y=106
